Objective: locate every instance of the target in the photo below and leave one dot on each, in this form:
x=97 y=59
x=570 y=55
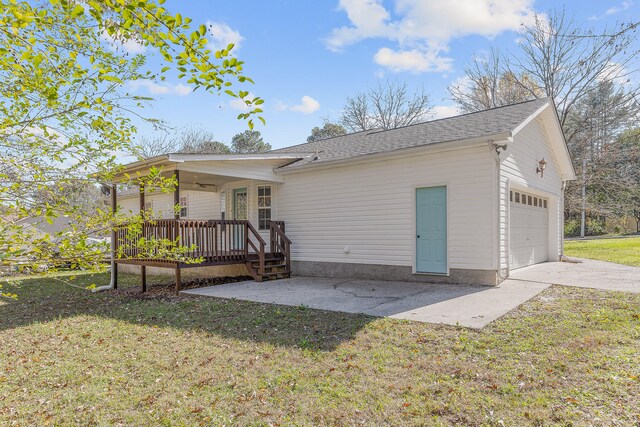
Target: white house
x=464 y=199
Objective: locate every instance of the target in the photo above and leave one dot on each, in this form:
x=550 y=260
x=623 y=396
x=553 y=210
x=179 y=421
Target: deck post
x=176 y=196
x=114 y=239
x=143 y=268
x=178 y=279
x=143 y=277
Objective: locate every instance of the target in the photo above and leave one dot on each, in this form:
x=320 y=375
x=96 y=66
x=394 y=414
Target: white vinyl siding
x=202 y=204
x=367 y=209
x=518 y=169
x=252 y=200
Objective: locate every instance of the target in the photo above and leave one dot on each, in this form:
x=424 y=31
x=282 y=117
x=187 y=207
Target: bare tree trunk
x=583 y=213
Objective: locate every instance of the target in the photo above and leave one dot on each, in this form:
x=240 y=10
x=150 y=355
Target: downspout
x=564 y=186
x=497 y=147
x=113 y=283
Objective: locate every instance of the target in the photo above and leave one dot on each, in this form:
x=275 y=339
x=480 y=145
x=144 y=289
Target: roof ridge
x=379 y=131
x=462 y=115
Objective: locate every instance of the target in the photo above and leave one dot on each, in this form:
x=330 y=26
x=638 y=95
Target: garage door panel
x=528 y=234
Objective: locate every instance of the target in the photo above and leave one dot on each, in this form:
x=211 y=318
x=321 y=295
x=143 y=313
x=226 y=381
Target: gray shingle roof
x=479 y=124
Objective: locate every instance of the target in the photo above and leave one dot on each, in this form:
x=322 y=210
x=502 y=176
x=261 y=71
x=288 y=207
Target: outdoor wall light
x=541 y=165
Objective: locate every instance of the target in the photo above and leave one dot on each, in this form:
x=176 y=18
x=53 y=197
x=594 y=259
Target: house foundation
x=392 y=273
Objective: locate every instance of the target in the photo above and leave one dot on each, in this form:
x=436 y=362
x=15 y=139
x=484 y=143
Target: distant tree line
x=195 y=140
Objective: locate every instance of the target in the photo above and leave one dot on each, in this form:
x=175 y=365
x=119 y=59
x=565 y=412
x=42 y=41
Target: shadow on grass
x=47 y=299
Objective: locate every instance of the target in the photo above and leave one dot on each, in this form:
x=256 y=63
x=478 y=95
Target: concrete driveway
x=585 y=274
x=471 y=306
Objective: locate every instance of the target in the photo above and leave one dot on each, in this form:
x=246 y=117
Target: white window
x=264 y=207
x=527 y=199
x=184 y=206
x=223 y=205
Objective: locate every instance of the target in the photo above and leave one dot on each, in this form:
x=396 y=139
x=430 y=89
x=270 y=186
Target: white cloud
x=621 y=8
x=444 y=111
x=128 y=46
x=222 y=35
x=239 y=104
x=422 y=29
x=159 y=89
x=615 y=72
x=415 y=61
x=307 y=105
x=625 y=5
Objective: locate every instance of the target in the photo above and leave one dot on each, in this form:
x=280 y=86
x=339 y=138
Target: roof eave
x=453 y=145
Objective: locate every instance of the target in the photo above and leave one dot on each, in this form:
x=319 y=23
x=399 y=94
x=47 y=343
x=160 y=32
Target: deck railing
x=279 y=243
x=213 y=241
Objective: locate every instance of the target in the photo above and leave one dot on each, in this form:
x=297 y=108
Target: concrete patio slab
x=586 y=274
x=471 y=306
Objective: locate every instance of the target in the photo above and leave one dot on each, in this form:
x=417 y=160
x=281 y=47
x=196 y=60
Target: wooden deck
x=204 y=243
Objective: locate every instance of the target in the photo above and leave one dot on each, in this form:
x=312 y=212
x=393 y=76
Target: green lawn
x=69 y=357
x=622 y=251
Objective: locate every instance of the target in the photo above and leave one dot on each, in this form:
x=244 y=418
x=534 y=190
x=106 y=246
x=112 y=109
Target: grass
x=621 y=251
x=69 y=357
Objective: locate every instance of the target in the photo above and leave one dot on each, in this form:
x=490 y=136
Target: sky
x=307 y=56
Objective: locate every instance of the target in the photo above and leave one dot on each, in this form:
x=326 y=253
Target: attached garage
x=529 y=229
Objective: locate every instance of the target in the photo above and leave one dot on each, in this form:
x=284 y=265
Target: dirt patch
x=166 y=289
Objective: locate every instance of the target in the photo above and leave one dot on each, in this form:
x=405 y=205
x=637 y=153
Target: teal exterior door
x=431 y=230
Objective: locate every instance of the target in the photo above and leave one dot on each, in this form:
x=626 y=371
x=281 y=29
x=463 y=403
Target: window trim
x=529 y=199
x=184 y=204
x=223 y=204
x=264 y=226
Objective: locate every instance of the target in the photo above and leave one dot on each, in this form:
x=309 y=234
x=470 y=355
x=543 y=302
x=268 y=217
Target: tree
x=556 y=58
x=618 y=182
x=188 y=140
x=328 y=130
x=194 y=140
x=210 y=146
x=592 y=130
x=567 y=61
x=156 y=145
x=488 y=85
x=66 y=107
x=387 y=106
x=249 y=141
x=587 y=75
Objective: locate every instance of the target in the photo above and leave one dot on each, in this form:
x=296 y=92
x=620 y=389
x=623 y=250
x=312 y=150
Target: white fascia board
x=530 y=118
x=185 y=157
x=549 y=116
x=450 y=145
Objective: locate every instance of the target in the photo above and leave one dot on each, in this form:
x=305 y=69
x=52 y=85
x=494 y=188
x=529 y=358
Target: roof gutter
x=143 y=164
x=450 y=145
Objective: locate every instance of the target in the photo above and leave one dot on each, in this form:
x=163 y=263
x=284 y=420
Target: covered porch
x=211 y=238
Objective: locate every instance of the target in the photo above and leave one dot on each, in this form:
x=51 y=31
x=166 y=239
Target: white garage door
x=529 y=229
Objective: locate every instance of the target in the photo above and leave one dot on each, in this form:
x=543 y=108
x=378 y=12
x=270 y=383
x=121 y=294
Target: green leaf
x=77 y=11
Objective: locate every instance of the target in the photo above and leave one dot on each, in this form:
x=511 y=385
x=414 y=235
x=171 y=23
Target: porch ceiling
x=199 y=181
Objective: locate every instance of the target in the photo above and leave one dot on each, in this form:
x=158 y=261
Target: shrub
x=594 y=228
x=572 y=228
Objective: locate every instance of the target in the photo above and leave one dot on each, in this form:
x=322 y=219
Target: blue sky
x=306 y=57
